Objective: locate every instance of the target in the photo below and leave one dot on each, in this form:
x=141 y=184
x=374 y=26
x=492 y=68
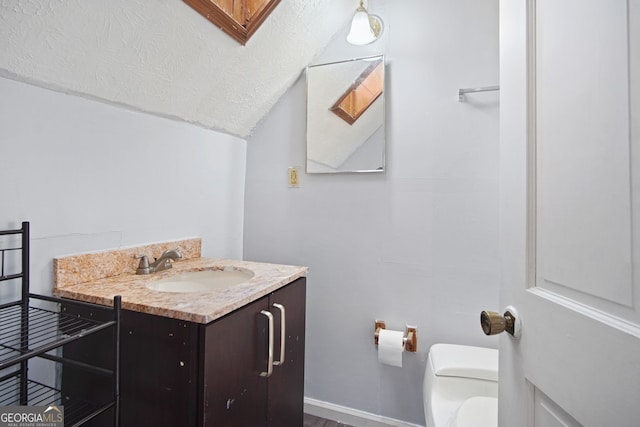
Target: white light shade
x=361 y=31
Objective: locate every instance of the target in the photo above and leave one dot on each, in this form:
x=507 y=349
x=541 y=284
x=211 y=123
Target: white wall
x=91 y=176
x=417 y=244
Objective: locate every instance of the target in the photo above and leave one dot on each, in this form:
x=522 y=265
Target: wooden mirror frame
x=238 y=18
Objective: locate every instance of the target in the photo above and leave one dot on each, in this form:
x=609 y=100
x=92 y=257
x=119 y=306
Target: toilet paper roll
x=390 y=347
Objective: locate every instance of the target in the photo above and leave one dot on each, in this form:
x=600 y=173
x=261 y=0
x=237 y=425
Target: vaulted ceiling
x=162 y=57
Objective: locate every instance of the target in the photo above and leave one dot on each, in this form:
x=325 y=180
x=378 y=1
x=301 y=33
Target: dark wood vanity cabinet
x=235 y=388
x=188 y=374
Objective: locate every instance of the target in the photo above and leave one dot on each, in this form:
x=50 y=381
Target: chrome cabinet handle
x=283 y=335
x=269 y=370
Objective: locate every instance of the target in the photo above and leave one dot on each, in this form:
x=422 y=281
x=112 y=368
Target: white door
x=570 y=212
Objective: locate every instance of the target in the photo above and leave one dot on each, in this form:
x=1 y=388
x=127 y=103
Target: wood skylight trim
x=238 y=18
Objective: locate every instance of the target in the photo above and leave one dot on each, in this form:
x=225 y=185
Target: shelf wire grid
x=27 y=331
x=43 y=395
x=43 y=329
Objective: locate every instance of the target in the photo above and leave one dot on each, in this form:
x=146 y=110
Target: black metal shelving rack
x=34 y=326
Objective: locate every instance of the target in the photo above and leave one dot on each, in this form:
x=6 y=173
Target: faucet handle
x=144 y=260
x=143 y=267
x=174 y=253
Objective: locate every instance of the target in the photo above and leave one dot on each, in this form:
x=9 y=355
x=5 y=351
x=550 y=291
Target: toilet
x=460 y=386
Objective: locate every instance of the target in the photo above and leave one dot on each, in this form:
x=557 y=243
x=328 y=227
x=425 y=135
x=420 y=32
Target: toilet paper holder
x=410 y=337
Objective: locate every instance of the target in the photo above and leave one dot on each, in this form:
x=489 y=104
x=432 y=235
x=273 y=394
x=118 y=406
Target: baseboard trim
x=350 y=416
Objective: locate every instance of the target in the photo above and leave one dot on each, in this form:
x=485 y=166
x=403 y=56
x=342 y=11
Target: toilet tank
x=453 y=374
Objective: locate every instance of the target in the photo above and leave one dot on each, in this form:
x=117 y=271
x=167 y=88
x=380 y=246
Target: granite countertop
x=198 y=307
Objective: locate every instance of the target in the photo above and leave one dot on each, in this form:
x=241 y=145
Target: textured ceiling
x=162 y=57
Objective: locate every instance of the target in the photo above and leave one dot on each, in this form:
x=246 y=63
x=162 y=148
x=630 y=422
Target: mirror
x=345 y=116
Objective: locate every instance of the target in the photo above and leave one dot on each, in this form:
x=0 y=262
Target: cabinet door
x=235 y=351
x=286 y=384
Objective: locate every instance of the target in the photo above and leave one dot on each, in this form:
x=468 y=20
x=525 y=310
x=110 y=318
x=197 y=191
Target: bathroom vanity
x=229 y=357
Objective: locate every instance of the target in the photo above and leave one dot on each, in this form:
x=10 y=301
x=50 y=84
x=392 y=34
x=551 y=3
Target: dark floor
x=313 y=421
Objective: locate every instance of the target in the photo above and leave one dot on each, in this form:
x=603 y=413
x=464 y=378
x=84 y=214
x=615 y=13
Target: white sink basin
x=201 y=281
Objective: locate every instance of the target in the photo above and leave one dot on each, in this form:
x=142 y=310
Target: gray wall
x=91 y=176
x=417 y=244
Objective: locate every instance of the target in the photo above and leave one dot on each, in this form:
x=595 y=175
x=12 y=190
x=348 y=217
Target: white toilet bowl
x=460 y=386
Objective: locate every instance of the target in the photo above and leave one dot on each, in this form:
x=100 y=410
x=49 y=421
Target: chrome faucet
x=162 y=263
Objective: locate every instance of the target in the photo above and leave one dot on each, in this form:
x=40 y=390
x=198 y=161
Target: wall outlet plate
x=294 y=177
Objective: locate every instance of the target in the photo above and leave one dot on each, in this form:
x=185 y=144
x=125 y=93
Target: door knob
x=494 y=323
